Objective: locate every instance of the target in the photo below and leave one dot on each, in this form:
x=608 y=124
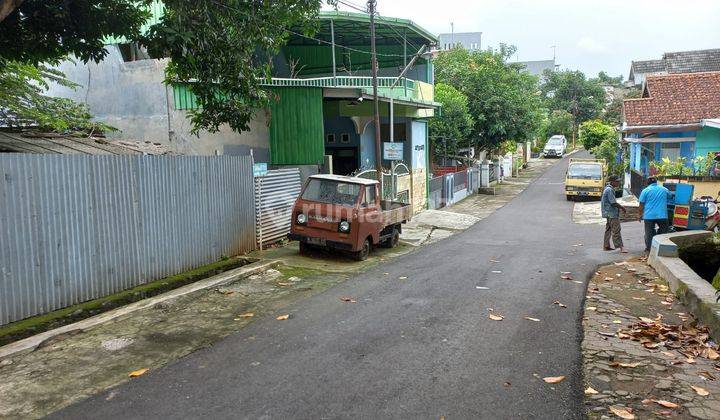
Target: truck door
x=370 y=213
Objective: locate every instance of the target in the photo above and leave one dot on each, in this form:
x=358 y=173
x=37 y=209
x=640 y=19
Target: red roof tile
x=683 y=98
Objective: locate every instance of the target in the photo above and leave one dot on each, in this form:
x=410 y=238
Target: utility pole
x=371 y=4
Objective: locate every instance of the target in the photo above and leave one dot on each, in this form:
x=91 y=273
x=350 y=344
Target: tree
x=22 y=102
x=572 y=92
x=558 y=122
x=45 y=31
x=451 y=129
x=604 y=78
x=503 y=100
x=594 y=132
x=221 y=49
x=609 y=150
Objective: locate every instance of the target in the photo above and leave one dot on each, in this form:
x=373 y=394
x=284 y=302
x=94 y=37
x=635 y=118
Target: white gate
x=275 y=194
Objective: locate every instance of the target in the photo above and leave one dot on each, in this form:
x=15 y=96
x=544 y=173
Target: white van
x=555 y=146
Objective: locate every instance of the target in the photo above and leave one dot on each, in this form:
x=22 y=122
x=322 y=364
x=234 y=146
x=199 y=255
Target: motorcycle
x=712 y=221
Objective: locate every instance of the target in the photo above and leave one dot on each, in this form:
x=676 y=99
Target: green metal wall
x=296 y=126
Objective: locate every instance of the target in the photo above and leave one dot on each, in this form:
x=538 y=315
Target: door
x=345 y=160
x=370 y=214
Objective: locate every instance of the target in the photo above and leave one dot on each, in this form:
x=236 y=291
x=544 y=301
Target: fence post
x=485 y=174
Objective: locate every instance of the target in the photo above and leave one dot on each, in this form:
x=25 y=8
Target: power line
x=360 y=9
x=322 y=41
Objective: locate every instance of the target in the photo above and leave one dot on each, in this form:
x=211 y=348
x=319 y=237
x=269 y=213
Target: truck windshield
x=331 y=192
x=585 y=171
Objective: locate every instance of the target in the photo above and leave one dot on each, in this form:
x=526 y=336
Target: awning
x=646 y=140
x=714 y=123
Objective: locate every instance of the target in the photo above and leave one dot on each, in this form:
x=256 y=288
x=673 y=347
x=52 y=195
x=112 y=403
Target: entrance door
x=345 y=160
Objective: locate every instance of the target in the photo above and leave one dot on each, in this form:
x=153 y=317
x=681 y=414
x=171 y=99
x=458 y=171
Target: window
x=331 y=138
x=585 y=171
x=331 y=192
x=670 y=151
x=344 y=138
x=370 y=195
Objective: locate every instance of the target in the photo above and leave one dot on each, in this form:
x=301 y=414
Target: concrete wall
x=131 y=96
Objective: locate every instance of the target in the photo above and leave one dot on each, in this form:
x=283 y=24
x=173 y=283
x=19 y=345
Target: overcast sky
x=590 y=35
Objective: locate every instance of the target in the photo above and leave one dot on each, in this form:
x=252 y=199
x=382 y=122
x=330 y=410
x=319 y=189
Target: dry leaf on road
x=562 y=305
x=532 y=319
x=496 y=317
x=553 y=379
x=700 y=391
x=590 y=391
x=283 y=317
x=566 y=277
x=136 y=373
x=247 y=315
x=623 y=413
x=402 y=278
x=347 y=299
x=666 y=404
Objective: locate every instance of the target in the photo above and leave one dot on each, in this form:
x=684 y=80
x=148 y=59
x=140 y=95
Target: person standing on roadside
x=611 y=212
x=653 y=210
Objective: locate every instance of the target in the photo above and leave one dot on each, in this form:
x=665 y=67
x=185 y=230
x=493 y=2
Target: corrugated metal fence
x=275 y=194
x=75 y=228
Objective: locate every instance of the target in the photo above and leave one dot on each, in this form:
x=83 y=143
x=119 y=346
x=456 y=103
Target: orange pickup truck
x=346 y=213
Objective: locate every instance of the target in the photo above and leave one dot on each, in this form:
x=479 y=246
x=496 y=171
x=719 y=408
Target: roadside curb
x=691 y=289
x=229 y=276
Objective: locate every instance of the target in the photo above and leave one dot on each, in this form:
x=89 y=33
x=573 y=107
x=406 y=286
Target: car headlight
x=301 y=219
x=344 y=226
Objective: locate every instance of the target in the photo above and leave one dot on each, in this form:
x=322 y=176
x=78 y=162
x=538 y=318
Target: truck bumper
x=583 y=193
x=314 y=241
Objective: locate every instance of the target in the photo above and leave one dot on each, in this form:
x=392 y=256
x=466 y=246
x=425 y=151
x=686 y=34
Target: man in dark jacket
x=611 y=212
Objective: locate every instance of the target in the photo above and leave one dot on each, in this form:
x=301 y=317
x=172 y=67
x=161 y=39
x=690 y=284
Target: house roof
x=679 y=62
x=47 y=143
x=675 y=99
x=353 y=29
x=693 y=61
x=647 y=66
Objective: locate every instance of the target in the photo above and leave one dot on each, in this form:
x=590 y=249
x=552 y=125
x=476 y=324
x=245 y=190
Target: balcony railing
x=404 y=87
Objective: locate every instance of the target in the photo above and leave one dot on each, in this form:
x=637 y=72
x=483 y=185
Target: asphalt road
x=421 y=347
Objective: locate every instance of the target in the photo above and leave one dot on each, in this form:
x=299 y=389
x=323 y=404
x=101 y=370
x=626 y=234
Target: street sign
x=259 y=169
x=393 y=151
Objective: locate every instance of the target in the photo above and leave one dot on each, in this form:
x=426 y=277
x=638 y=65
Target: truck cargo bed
x=395 y=212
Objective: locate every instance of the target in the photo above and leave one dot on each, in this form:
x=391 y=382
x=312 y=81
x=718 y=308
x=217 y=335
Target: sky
x=590 y=35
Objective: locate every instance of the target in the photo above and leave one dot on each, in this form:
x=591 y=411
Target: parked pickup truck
x=346 y=213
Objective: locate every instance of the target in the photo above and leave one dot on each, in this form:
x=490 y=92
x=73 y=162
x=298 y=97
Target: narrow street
x=418 y=343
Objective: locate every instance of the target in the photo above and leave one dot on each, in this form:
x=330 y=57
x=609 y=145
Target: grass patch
x=40 y=323
x=302 y=272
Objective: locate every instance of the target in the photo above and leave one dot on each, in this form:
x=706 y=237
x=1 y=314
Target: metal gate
x=275 y=194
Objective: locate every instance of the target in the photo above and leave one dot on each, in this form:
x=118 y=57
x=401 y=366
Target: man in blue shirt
x=653 y=209
x=611 y=212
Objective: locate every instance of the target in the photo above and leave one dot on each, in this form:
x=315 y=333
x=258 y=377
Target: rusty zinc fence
x=74 y=228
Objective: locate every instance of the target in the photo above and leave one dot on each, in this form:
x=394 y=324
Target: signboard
x=259 y=169
x=393 y=150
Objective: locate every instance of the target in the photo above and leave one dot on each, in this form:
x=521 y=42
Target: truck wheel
x=364 y=252
x=393 y=240
x=304 y=248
